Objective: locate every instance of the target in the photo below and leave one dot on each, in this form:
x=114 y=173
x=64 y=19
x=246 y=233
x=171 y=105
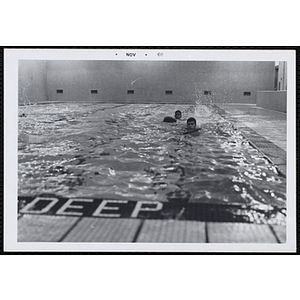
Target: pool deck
x=85 y=229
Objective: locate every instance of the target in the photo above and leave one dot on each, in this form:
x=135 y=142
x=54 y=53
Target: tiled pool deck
x=269 y=138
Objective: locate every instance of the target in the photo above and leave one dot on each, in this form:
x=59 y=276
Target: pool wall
x=276 y=100
x=32 y=82
x=144 y=81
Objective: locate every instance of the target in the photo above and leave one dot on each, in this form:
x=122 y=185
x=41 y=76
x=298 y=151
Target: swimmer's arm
x=195 y=130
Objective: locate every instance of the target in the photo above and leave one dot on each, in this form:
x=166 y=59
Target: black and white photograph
x=187 y=150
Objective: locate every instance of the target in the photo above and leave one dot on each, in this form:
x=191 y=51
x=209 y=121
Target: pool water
x=125 y=151
x=263 y=121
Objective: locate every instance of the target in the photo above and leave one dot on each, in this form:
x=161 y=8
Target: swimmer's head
x=191 y=123
x=177 y=114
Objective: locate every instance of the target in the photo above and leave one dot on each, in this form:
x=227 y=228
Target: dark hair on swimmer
x=169 y=120
x=191 y=120
x=178 y=114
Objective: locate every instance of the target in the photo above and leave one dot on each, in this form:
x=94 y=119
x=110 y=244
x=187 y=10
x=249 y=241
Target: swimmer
x=178 y=114
x=171 y=119
x=191 y=126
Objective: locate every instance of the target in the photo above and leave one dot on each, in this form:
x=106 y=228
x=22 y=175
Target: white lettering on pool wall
x=110 y=208
x=131 y=54
x=90 y=207
x=139 y=207
x=62 y=210
x=32 y=209
x=103 y=206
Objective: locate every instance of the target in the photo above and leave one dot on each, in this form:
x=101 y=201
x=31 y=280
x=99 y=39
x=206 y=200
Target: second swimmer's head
x=177 y=114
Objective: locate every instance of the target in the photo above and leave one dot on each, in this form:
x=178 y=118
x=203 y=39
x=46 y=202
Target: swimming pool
x=125 y=151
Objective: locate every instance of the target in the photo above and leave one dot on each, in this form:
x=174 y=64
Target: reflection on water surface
x=126 y=152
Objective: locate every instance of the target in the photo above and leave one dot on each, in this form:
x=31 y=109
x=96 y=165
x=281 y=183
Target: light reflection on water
x=127 y=152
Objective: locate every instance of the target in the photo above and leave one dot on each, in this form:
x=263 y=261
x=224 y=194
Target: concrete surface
x=40 y=228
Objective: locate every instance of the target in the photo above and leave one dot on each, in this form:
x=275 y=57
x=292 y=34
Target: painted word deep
x=96 y=208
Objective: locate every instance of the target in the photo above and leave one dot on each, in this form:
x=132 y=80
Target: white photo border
x=11 y=58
